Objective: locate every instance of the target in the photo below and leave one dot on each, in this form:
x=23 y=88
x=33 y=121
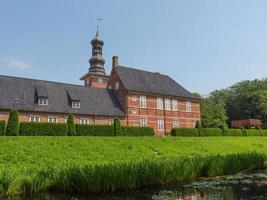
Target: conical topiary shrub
x=117 y=127
x=12 y=128
x=71 y=126
x=200 y=128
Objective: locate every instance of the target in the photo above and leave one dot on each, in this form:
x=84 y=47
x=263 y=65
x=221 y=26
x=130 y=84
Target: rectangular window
x=51 y=119
x=174 y=105
x=188 y=106
x=134 y=111
x=167 y=104
x=143 y=122
x=160 y=125
x=42 y=101
x=76 y=104
x=34 y=119
x=175 y=123
x=84 y=121
x=143 y=101
x=159 y=103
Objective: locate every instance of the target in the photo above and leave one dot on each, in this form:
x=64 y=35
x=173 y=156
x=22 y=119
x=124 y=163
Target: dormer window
x=76 y=104
x=43 y=101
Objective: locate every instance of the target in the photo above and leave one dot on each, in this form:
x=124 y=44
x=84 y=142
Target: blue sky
x=204 y=45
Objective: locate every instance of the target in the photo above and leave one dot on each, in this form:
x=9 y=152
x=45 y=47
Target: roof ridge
x=143 y=70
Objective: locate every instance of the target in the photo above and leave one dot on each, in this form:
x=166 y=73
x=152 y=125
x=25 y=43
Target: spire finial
x=98 y=24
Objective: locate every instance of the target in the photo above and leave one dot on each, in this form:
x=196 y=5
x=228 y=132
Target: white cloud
x=16 y=64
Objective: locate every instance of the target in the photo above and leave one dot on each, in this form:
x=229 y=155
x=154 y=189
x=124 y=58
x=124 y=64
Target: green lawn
x=25 y=156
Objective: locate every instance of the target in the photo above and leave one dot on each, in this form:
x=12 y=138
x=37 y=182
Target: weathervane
x=98 y=22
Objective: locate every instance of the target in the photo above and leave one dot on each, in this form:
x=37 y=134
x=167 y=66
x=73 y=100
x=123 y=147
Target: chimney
x=115 y=61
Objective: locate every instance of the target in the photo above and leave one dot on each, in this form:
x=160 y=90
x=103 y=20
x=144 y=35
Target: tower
x=96 y=76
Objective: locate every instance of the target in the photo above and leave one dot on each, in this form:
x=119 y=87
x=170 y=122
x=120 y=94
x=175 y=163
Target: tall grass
x=114 y=176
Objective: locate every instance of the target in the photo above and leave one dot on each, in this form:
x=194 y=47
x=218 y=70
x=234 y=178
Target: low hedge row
x=2 y=127
x=136 y=131
x=189 y=132
x=94 y=130
x=42 y=129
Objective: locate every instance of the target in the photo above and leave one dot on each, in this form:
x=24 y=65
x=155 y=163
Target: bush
x=71 y=126
x=200 y=128
x=213 y=132
x=252 y=132
x=234 y=132
x=12 y=128
x=42 y=129
x=117 y=127
x=137 y=131
x=264 y=132
x=186 y=132
x=2 y=127
x=94 y=130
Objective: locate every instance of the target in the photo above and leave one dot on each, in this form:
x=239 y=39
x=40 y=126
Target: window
x=160 y=124
x=34 y=119
x=143 y=101
x=84 y=121
x=194 y=124
x=76 y=104
x=160 y=103
x=188 y=106
x=66 y=119
x=117 y=85
x=175 y=123
x=143 y=122
x=167 y=104
x=111 y=122
x=52 y=119
x=134 y=98
x=174 y=105
x=42 y=101
x=100 y=80
x=134 y=111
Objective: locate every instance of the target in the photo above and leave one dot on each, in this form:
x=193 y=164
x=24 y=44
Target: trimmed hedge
x=213 y=132
x=137 y=131
x=42 y=129
x=264 y=132
x=186 y=132
x=234 y=132
x=12 y=128
x=253 y=132
x=94 y=130
x=2 y=127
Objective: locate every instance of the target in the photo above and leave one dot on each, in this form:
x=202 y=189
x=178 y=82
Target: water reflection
x=245 y=186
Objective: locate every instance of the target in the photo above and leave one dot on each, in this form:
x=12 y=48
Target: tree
x=71 y=125
x=117 y=127
x=12 y=128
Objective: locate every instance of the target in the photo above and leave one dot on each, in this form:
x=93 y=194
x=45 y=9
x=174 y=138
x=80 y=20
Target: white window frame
x=142 y=101
x=160 y=103
x=76 y=104
x=134 y=111
x=143 y=121
x=100 y=80
x=65 y=119
x=111 y=122
x=35 y=118
x=175 y=105
x=167 y=104
x=160 y=124
x=52 y=119
x=188 y=106
x=175 y=123
x=194 y=122
x=43 y=101
x=84 y=121
x=134 y=98
x=117 y=85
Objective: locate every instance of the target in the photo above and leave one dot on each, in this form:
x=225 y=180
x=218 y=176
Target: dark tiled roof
x=25 y=92
x=149 y=82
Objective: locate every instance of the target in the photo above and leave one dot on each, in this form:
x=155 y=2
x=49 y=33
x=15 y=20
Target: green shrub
x=42 y=129
x=71 y=126
x=12 y=128
x=2 y=127
x=199 y=128
x=264 y=132
x=186 y=132
x=252 y=132
x=234 y=132
x=137 y=131
x=94 y=130
x=117 y=127
x=213 y=132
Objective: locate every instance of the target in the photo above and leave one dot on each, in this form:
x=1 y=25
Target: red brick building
x=137 y=97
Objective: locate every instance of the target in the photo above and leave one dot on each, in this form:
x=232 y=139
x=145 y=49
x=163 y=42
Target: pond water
x=240 y=186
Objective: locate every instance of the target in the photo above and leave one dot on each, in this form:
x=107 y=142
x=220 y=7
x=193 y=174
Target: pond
x=241 y=186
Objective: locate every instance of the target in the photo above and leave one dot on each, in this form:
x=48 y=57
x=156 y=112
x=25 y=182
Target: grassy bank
x=94 y=164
